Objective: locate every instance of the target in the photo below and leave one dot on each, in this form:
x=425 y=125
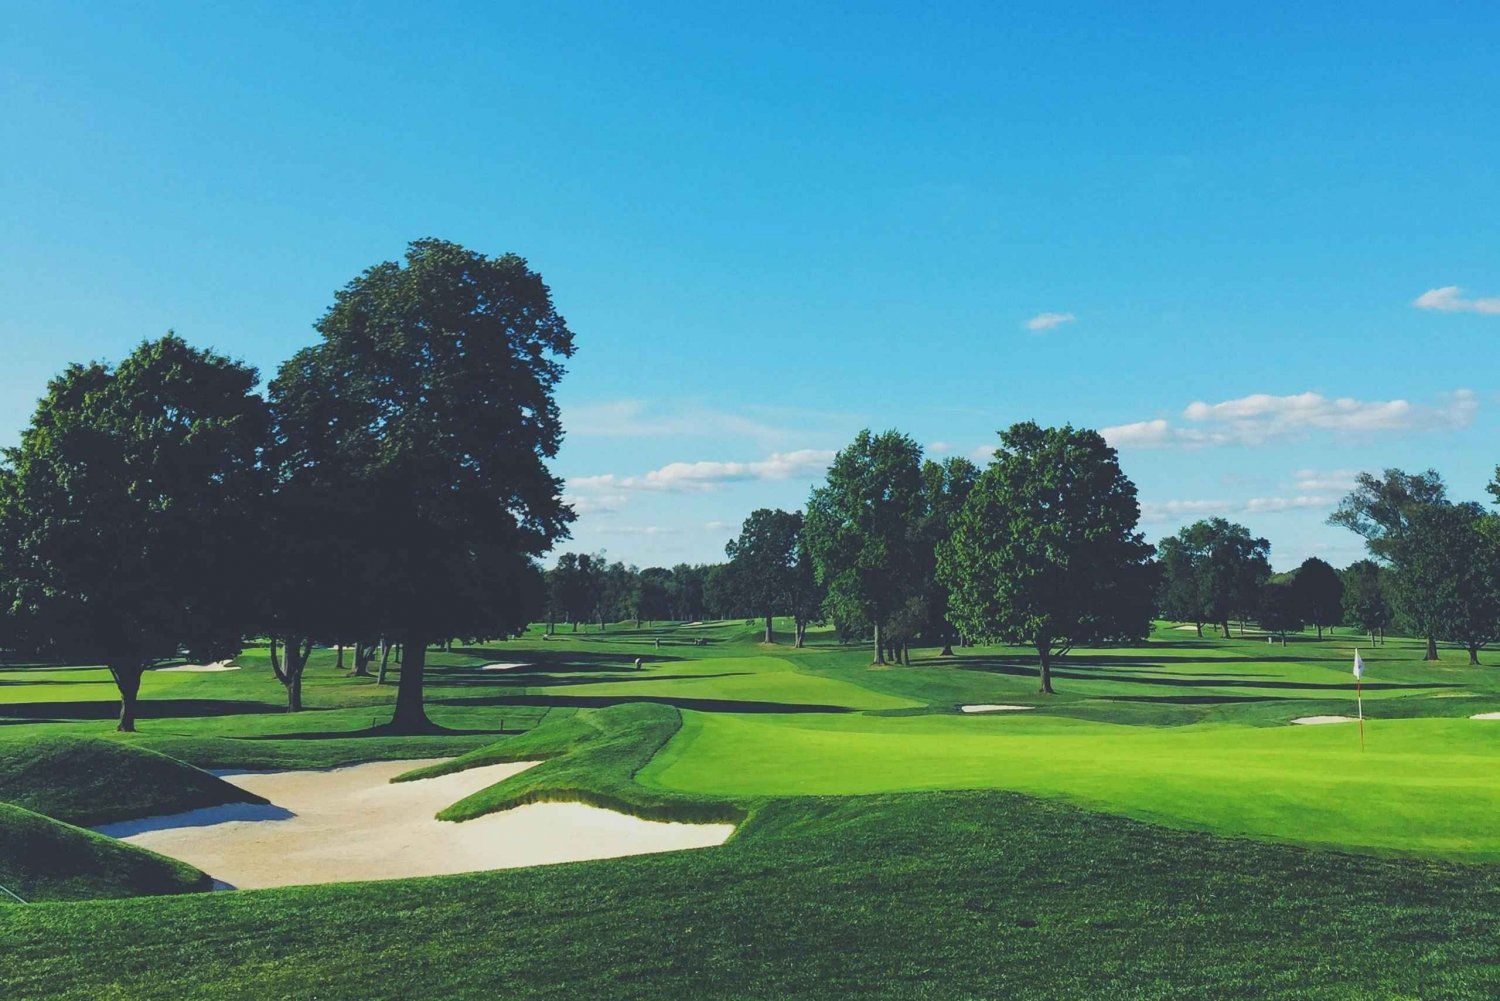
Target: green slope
x=42 y=859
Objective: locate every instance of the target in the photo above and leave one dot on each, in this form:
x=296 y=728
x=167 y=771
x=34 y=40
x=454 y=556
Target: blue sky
x=772 y=226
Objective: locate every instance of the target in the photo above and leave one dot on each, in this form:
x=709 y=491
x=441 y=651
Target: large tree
x=1318 y=593
x=1045 y=551
x=1380 y=510
x=765 y=559
x=444 y=367
x=859 y=530
x=1280 y=610
x=128 y=513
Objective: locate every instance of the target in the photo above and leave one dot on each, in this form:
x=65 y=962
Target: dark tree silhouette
x=129 y=510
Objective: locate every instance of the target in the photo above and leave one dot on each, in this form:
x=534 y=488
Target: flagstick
x=1359 y=701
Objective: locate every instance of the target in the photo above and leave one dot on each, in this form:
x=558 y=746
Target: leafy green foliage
x=1367 y=598
x=774 y=572
x=859 y=531
x=1318 y=593
x=443 y=370
x=131 y=496
x=1045 y=550
x=1448 y=576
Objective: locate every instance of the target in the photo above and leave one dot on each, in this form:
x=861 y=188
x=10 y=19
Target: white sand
x=502 y=667
x=355 y=824
x=1314 y=720
x=1186 y=629
x=994 y=709
x=1485 y=716
x=222 y=665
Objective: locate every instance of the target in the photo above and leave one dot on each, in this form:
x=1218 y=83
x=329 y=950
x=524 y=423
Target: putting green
x=1428 y=786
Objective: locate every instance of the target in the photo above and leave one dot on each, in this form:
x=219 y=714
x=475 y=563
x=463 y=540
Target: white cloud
x=639 y=530
x=595 y=503
x=638 y=419
x=682 y=477
x=940 y=447
x=719 y=526
x=984 y=453
x=1049 y=321
x=1449 y=299
x=1261 y=418
x=1157 y=512
x=1339 y=480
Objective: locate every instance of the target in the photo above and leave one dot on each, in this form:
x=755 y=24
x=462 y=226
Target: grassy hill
x=90 y=781
x=42 y=859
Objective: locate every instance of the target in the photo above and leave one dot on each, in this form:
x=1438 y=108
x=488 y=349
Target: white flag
x=1359 y=666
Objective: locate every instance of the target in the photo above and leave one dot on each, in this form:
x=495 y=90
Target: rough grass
x=588 y=756
x=951 y=895
x=42 y=859
x=91 y=782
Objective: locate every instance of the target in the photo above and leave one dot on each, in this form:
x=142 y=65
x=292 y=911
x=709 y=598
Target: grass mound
x=92 y=781
x=43 y=859
x=588 y=756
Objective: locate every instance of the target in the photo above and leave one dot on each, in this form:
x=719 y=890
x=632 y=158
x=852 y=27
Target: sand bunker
x=1485 y=716
x=353 y=823
x=1186 y=629
x=502 y=667
x=222 y=665
x=994 y=709
x=1314 y=720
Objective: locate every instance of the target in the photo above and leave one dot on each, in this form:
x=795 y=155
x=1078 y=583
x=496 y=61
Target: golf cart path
x=353 y=823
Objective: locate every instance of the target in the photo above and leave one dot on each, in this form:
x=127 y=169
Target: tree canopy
x=859 y=530
x=127 y=510
x=439 y=374
x=1045 y=550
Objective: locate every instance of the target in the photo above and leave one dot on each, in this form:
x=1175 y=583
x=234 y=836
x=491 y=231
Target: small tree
x=1182 y=593
x=128 y=513
x=1319 y=594
x=1236 y=566
x=765 y=558
x=859 y=530
x=1280 y=609
x=1367 y=602
x=1045 y=551
x=947 y=485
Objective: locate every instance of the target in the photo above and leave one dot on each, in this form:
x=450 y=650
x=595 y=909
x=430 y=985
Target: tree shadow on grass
x=1192 y=681
x=519 y=679
x=601 y=701
x=33 y=712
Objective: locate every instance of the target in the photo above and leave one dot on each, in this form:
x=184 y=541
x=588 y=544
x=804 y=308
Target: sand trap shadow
x=206 y=817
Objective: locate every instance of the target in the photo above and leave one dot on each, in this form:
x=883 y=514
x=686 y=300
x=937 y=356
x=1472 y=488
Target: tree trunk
x=385 y=658
x=340 y=665
x=1225 y=625
x=410 y=715
x=362 y=654
x=128 y=681
x=288 y=668
x=879 y=647
x=1473 y=656
x=1200 y=629
x=1044 y=666
x=770 y=630
x=1431 y=653
x=906 y=653
x=1320 y=630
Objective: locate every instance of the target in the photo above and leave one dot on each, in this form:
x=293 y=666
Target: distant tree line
x=390 y=487
x=1433 y=570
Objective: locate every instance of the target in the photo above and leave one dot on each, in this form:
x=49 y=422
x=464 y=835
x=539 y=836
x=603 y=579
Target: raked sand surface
x=222 y=665
x=994 y=708
x=1485 y=716
x=1314 y=720
x=350 y=824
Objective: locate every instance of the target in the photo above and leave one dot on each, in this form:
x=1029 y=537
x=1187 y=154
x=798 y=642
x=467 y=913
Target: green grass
x=590 y=757
x=42 y=859
x=91 y=782
x=952 y=895
x=884 y=849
